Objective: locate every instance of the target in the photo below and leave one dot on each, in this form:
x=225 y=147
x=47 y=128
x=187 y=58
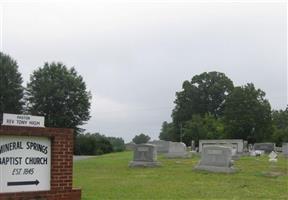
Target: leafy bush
x=96 y=144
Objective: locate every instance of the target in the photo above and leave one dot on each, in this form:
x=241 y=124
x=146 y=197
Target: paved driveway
x=75 y=158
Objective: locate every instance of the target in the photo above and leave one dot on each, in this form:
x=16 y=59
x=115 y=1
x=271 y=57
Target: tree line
x=211 y=107
x=60 y=95
x=208 y=107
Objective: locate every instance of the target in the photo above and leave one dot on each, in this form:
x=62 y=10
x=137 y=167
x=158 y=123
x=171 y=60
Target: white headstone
x=273 y=157
x=176 y=149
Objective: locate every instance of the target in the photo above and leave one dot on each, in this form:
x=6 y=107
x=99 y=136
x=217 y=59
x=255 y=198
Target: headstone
x=216 y=159
x=130 y=146
x=285 y=149
x=145 y=155
x=256 y=152
x=192 y=145
x=272 y=157
x=237 y=144
x=250 y=147
x=162 y=146
x=176 y=150
x=267 y=147
x=278 y=149
x=245 y=146
x=252 y=153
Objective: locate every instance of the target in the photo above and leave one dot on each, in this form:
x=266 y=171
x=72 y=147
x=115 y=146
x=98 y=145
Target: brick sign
x=36 y=163
x=25 y=163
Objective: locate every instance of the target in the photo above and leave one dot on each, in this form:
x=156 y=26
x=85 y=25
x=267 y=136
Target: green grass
x=108 y=177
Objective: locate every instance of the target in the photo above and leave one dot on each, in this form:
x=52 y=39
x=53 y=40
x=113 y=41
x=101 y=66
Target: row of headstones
x=213 y=158
x=146 y=154
x=241 y=147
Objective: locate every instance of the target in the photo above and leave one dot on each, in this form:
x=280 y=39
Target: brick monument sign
x=36 y=163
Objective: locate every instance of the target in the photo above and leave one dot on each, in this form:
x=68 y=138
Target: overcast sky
x=134 y=55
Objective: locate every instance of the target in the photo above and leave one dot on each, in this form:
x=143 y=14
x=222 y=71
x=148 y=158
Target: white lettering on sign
x=25 y=163
x=23 y=120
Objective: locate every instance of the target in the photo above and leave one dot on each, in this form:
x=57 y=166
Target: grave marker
x=176 y=150
x=216 y=159
x=273 y=157
x=285 y=149
x=237 y=144
x=266 y=147
x=145 y=155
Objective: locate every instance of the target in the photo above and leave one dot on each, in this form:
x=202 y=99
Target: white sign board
x=25 y=163
x=23 y=120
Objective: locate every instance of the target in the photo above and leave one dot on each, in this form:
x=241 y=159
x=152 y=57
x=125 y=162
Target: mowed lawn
x=109 y=177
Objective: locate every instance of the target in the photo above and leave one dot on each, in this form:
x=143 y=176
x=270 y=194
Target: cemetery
x=131 y=100
x=37 y=163
x=255 y=178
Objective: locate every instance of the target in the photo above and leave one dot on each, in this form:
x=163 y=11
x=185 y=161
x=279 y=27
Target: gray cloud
x=135 y=56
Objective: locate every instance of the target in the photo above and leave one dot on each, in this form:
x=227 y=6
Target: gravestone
x=216 y=159
x=192 y=145
x=130 y=146
x=145 y=155
x=245 y=146
x=285 y=149
x=266 y=147
x=273 y=157
x=176 y=150
x=256 y=152
x=278 y=149
x=162 y=146
x=237 y=144
x=250 y=147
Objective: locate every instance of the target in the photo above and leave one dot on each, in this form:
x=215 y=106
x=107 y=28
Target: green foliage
x=247 y=114
x=168 y=132
x=140 y=139
x=209 y=107
x=60 y=95
x=92 y=144
x=199 y=127
x=205 y=94
x=117 y=144
x=96 y=144
x=280 y=125
x=11 y=91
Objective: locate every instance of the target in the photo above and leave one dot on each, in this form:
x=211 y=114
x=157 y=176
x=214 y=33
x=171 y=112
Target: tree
x=92 y=144
x=280 y=126
x=11 y=90
x=117 y=144
x=140 y=139
x=168 y=132
x=60 y=95
x=199 y=127
x=247 y=114
x=205 y=94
